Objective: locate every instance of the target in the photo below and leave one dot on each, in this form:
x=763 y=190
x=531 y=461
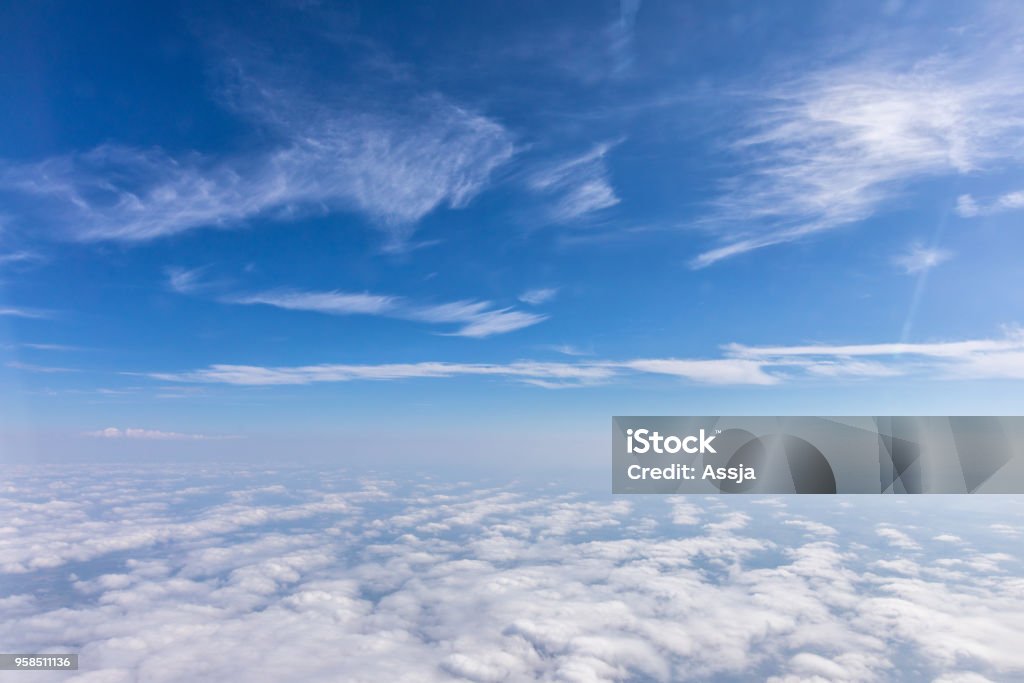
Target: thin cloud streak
x=19 y=257
x=741 y=365
x=23 y=313
x=150 y=435
x=334 y=303
x=477 y=319
x=49 y=347
x=1014 y=340
x=31 y=367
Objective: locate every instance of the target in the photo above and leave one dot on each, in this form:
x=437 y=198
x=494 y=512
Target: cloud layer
x=251 y=575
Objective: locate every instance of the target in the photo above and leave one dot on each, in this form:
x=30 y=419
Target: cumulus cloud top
x=320 y=576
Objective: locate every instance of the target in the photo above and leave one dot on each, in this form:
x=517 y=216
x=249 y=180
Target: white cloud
x=918 y=258
x=742 y=365
x=536 y=297
x=1012 y=200
x=477 y=319
x=395 y=164
x=897 y=538
x=714 y=371
x=31 y=367
x=812 y=527
x=22 y=312
x=948 y=538
x=175 y=572
x=568 y=350
x=621 y=37
x=1001 y=358
x=845 y=367
x=19 y=257
x=1013 y=341
x=582 y=185
x=186 y=280
x=257 y=375
x=549 y=375
x=149 y=434
x=968 y=207
x=830 y=148
x=48 y=347
x=334 y=303
x=734 y=521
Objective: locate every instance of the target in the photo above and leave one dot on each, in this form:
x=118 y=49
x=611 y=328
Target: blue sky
x=301 y=220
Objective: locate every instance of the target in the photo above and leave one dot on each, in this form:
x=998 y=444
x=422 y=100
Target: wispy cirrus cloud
x=708 y=371
x=993 y=358
x=831 y=148
x=48 y=347
x=536 y=297
x=257 y=375
x=334 y=303
x=477 y=319
x=32 y=367
x=543 y=374
x=15 y=312
x=22 y=256
x=997 y=358
x=187 y=280
x=394 y=162
x=919 y=258
x=580 y=186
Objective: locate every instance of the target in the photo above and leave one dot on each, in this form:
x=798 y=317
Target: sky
x=313 y=317
x=232 y=228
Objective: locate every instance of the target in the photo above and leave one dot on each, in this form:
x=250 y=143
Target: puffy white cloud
x=265 y=576
x=897 y=538
x=968 y=207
